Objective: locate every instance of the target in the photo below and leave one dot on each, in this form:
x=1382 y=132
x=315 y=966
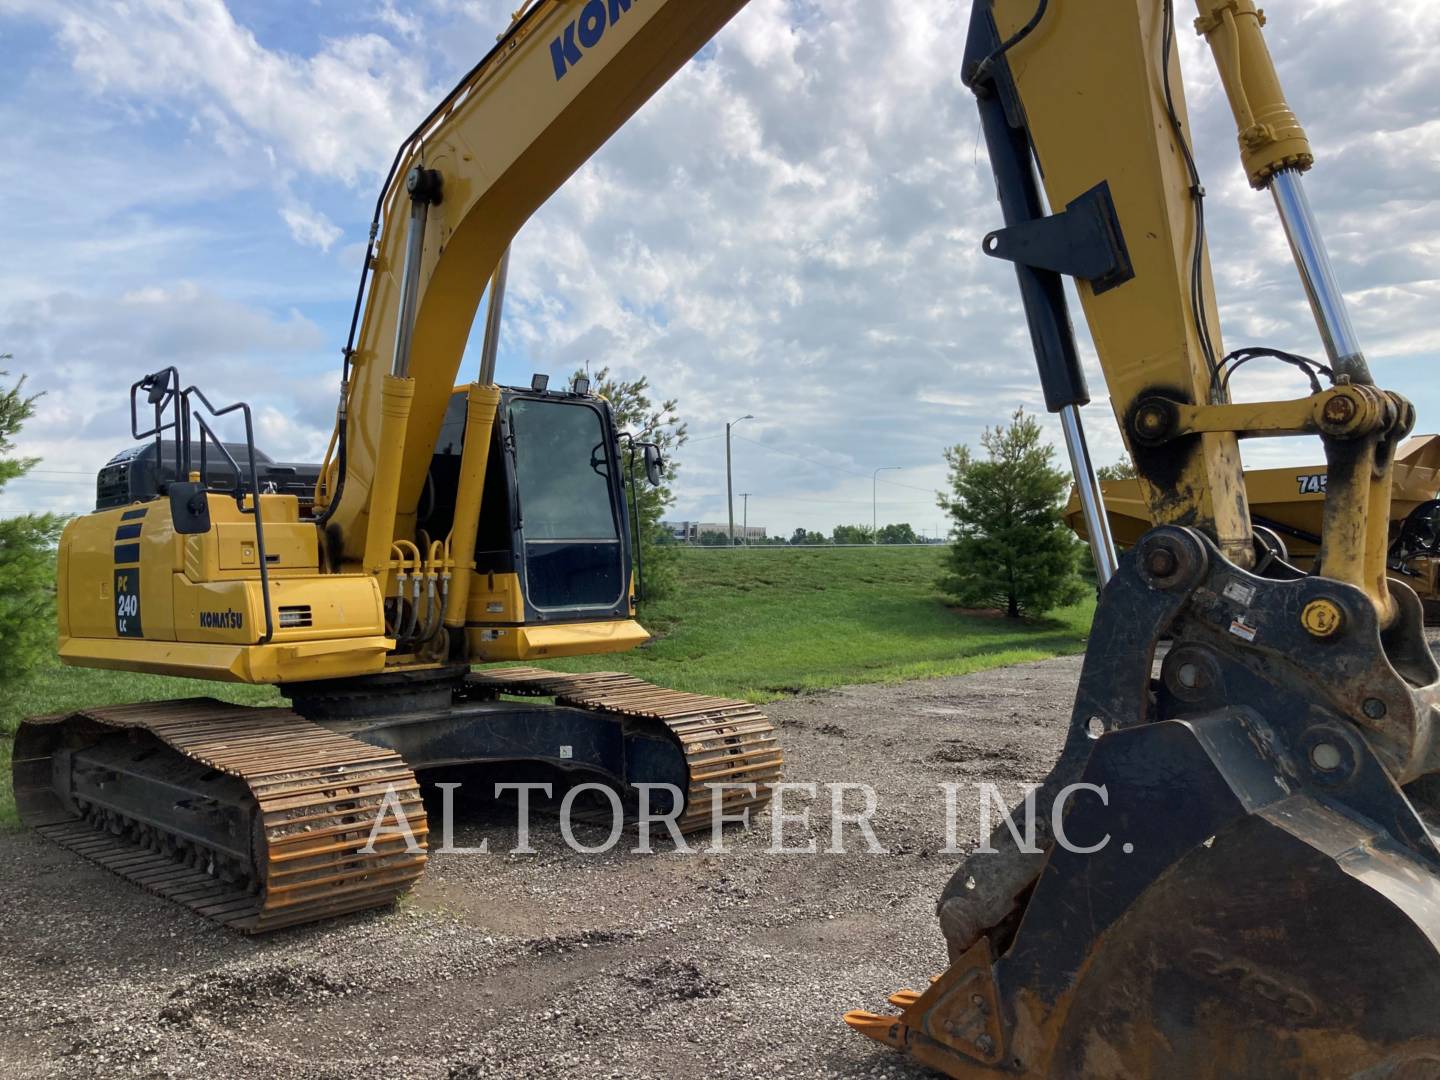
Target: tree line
x=903 y=533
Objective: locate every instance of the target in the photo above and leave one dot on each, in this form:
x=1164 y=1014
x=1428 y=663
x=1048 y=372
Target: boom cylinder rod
x=1275 y=151
x=410 y=287
x=1092 y=505
x=493 y=314
x=1326 y=300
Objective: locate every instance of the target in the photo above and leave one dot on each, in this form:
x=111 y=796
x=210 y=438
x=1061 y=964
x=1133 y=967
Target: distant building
x=689 y=532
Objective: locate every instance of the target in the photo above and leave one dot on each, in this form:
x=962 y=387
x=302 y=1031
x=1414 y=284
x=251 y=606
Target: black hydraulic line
x=1197 y=195
x=982 y=69
x=1012 y=158
x=1239 y=357
x=1286 y=530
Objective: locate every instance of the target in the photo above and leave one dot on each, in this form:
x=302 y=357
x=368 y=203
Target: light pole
x=874 y=517
x=729 y=484
x=745 y=518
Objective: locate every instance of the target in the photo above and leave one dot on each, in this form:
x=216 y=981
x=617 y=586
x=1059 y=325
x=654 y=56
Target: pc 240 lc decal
x=127 y=603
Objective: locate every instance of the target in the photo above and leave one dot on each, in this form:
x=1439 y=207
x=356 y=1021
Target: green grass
x=757 y=623
x=761 y=623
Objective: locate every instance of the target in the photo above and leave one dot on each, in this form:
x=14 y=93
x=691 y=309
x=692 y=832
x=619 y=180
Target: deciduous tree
x=853 y=534
x=898 y=534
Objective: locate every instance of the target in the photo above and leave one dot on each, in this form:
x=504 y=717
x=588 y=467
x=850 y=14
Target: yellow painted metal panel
x=228 y=663
x=563 y=639
x=1094 y=122
x=495 y=598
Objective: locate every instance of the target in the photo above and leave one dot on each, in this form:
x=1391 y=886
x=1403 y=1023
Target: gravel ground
x=554 y=964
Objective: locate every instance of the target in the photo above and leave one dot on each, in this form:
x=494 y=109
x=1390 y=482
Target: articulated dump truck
x=1290 y=503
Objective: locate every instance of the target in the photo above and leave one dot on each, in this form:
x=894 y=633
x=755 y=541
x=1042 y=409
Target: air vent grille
x=295 y=617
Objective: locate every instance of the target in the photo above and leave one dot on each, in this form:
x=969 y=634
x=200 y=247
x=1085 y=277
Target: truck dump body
x=1290 y=501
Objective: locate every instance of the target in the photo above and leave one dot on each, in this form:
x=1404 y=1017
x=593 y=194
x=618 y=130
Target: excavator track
x=309 y=796
x=725 y=741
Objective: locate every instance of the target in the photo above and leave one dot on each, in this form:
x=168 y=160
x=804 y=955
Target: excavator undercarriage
x=265 y=818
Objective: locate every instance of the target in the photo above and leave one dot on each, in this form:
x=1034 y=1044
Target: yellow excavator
x=1232 y=868
x=448 y=526
x=1287 y=504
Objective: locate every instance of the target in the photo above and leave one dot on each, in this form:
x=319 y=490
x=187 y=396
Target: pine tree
x=1011 y=548
x=637 y=414
x=27 y=553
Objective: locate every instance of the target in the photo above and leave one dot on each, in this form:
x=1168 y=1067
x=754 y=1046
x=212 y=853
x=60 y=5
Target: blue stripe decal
x=127 y=532
x=127 y=553
x=133 y=515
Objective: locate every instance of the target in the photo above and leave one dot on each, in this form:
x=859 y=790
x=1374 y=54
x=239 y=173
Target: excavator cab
x=555 y=541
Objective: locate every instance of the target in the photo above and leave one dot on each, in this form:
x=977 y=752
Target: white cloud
x=339 y=112
x=309 y=226
x=405 y=23
x=791 y=228
x=84 y=351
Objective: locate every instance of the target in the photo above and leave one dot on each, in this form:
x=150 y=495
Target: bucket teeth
x=889 y=1030
x=903 y=999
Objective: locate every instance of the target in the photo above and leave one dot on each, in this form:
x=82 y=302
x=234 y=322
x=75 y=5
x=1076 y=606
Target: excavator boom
x=563 y=79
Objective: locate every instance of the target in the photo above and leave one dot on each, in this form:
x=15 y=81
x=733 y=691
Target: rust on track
x=317 y=796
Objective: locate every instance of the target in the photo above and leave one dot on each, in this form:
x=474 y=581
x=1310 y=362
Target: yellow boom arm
x=1111 y=140
x=563 y=79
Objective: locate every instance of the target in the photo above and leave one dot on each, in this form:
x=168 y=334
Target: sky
x=789 y=229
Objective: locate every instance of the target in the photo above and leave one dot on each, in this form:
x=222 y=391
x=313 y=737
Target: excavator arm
x=1089 y=97
x=1231 y=870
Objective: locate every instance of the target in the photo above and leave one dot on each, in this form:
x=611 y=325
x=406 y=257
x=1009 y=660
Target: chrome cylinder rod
x=1092 y=506
x=1326 y=300
x=410 y=287
x=493 y=315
